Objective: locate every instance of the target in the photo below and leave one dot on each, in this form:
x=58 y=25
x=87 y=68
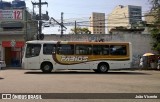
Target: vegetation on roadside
x=155 y=29
x=80 y=30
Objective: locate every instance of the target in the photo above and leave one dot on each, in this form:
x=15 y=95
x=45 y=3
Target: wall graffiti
x=135 y=60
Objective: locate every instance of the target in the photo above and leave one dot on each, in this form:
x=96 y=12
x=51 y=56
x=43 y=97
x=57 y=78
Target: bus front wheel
x=46 y=67
x=103 y=67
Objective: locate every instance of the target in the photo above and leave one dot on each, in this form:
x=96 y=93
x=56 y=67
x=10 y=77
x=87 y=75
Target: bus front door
x=33 y=63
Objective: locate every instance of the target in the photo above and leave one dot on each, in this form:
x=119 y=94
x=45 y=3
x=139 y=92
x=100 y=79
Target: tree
x=155 y=30
x=80 y=30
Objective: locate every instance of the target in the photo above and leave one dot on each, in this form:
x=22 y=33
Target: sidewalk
x=5 y=68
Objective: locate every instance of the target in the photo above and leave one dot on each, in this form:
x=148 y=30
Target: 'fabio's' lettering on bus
x=74 y=58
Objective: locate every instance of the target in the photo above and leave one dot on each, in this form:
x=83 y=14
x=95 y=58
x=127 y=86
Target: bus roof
x=87 y=42
x=74 y=42
x=41 y=41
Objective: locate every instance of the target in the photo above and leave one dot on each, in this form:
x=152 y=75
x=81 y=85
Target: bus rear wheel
x=103 y=67
x=46 y=67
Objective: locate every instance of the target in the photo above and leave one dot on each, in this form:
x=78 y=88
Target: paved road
x=31 y=81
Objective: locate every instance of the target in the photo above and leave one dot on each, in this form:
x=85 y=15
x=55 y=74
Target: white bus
x=97 y=56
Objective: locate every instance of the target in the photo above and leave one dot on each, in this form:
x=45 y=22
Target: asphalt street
x=124 y=81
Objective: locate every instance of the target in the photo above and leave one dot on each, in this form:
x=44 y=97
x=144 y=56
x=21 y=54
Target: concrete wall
x=11 y=37
x=141 y=43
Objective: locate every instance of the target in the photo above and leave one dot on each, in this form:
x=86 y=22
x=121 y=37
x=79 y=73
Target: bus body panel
x=121 y=63
x=85 y=65
x=49 y=58
x=112 y=64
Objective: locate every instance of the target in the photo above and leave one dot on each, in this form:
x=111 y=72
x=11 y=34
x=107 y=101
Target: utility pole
x=75 y=28
x=40 y=18
x=62 y=24
x=40 y=35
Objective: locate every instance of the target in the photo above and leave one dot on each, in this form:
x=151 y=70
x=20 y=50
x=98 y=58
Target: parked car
x=2 y=64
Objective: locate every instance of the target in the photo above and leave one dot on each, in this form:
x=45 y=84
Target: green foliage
x=80 y=30
x=155 y=30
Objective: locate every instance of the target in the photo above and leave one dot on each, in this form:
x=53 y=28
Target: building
x=149 y=18
x=16 y=27
x=125 y=17
x=97 y=23
x=152 y=16
x=5 y=5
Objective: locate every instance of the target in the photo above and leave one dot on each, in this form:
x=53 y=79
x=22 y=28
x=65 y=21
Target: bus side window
x=97 y=50
x=58 y=50
x=48 y=49
x=105 y=50
x=89 y=52
x=65 y=49
x=100 y=49
x=83 y=49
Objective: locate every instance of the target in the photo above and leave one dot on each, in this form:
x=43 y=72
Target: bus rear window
x=32 y=50
x=118 y=50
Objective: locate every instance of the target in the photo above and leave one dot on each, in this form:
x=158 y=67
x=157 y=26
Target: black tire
x=103 y=68
x=46 y=67
x=96 y=70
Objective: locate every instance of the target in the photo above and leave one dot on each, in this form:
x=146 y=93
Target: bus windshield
x=33 y=50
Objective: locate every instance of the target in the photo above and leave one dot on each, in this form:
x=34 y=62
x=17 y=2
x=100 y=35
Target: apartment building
x=149 y=17
x=126 y=17
x=97 y=23
x=149 y=20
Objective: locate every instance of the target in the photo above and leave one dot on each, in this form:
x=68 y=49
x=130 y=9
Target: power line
x=108 y=25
